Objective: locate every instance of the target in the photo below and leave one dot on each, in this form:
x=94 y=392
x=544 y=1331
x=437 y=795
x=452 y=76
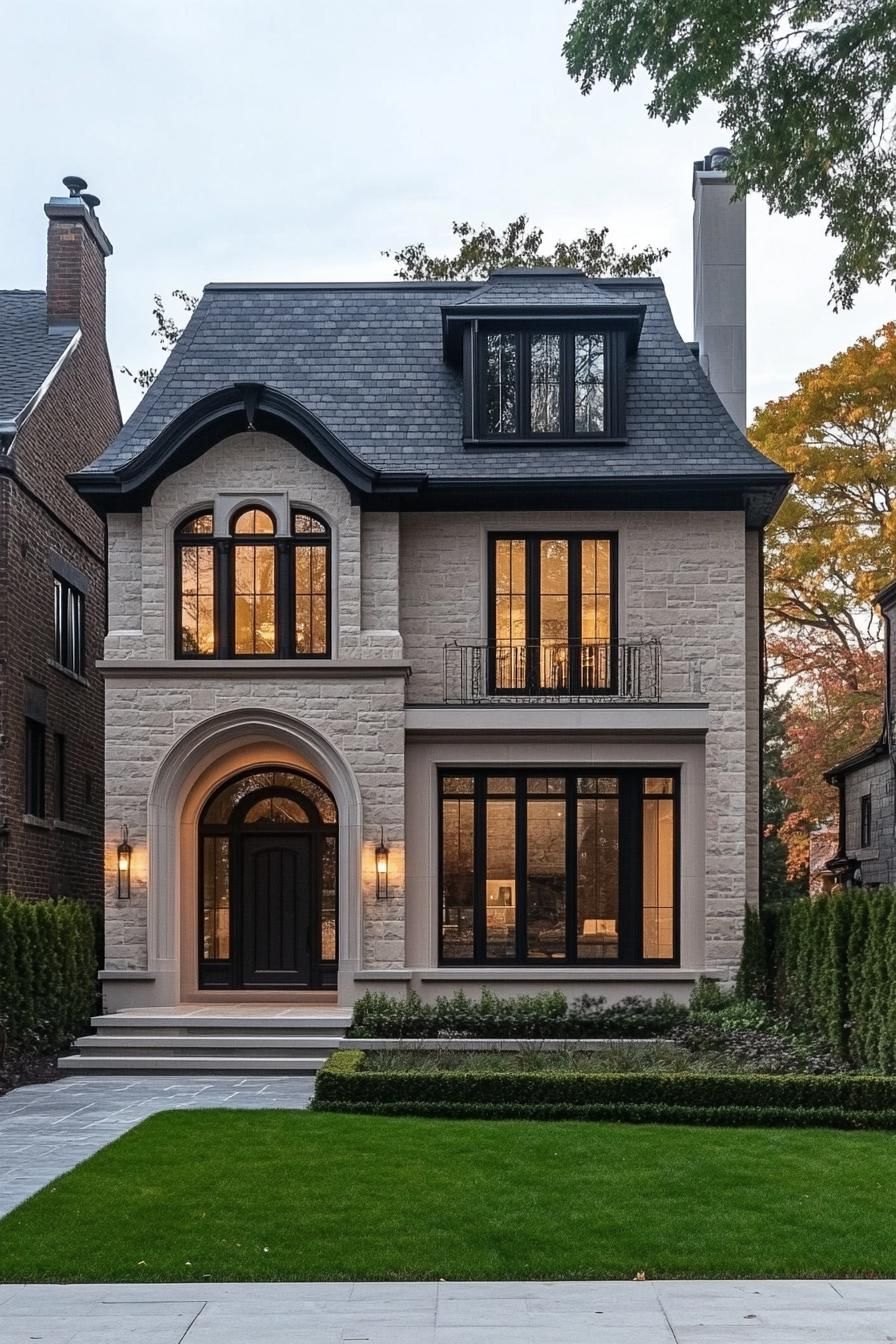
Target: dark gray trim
x=65 y=570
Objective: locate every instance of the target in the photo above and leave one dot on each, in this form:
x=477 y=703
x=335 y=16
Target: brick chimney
x=720 y=283
x=77 y=249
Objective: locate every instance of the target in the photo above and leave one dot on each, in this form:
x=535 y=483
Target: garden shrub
x=827 y=966
x=845 y=1101
x=48 y=972
x=532 y=1016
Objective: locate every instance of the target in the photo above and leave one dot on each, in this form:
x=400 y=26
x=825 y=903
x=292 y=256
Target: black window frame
x=224 y=563
x=60 y=790
x=35 y=800
x=865 y=821
x=614 y=360
x=69 y=627
x=631 y=795
x=533 y=542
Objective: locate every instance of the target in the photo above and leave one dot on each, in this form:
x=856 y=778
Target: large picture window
x=252 y=594
x=561 y=866
x=552 y=614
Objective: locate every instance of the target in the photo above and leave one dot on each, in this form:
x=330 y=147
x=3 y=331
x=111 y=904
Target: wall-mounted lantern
x=124 y=867
x=382 y=868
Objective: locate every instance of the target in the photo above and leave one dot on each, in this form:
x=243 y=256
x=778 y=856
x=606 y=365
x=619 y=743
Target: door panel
x=276 y=910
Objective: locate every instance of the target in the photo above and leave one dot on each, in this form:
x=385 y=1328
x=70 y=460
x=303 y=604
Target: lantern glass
x=382 y=871
x=124 y=869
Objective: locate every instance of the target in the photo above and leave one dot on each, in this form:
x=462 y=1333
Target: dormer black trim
x=627 y=318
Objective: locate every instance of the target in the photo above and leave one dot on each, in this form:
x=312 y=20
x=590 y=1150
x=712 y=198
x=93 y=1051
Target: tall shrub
x=48 y=971
x=830 y=969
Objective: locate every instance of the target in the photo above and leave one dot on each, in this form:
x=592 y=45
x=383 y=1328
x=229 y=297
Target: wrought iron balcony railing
x=613 y=669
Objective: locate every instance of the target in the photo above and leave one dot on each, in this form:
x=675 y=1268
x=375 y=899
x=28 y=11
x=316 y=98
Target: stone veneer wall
x=681 y=578
x=878 y=859
x=147 y=715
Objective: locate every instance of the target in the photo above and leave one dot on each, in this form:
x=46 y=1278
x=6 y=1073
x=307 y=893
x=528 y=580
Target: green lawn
x=192 y=1195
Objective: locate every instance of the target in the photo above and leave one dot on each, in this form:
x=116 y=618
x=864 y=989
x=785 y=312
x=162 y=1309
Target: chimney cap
x=716 y=161
x=90 y=200
x=75 y=184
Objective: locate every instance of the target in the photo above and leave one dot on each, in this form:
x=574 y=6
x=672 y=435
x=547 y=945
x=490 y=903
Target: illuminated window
x=558 y=867
x=253 y=594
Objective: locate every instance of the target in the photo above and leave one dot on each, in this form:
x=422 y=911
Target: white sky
x=295 y=139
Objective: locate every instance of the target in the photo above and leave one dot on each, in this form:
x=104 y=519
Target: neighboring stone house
x=58 y=409
x=866 y=826
x=433 y=655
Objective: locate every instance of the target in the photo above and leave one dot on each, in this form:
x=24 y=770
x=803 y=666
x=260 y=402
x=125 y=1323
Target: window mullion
x=522 y=865
x=524 y=384
x=630 y=865
x=567 y=381
x=572 y=883
x=533 y=612
x=479 y=868
x=225 y=584
x=284 y=591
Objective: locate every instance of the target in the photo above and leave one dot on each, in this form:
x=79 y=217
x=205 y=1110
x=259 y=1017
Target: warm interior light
x=124 y=866
x=382 y=868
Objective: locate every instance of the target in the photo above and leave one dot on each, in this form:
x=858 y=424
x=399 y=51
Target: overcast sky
x=295 y=139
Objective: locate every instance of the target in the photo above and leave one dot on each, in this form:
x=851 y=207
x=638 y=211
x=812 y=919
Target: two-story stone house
x=58 y=410
x=434 y=639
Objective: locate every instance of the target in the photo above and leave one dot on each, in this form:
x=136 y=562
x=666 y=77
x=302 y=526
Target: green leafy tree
x=805 y=88
x=480 y=251
x=777 y=806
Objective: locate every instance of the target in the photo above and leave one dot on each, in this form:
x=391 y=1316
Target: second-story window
x=68 y=622
x=552 y=617
x=252 y=594
x=542 y=383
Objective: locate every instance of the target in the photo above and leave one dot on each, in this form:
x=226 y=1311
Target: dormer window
x=542 y=383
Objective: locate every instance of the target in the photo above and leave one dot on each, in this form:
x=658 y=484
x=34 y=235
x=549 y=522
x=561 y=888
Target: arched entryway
x=268 y=842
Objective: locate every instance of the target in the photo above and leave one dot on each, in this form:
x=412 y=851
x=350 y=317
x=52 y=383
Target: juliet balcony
x=582 y=672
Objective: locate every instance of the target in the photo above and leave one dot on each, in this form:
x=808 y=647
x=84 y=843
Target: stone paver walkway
x=48 y=1129
x=757 y=1312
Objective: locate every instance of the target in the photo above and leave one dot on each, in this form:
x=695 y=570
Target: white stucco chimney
x=720 y=283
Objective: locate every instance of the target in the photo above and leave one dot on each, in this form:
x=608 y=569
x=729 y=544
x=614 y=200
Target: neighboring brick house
x=58 y=409
x=866 y=826
x=433 y=656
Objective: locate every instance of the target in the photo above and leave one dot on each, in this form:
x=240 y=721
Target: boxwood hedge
x=842 y=1101
x=48 y=970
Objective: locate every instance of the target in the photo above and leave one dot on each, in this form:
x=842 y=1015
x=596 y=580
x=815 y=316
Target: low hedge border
x=691 y=1098
x=635 y=1113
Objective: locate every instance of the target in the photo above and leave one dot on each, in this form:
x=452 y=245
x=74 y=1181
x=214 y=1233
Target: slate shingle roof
x=27 y=352
x=368 y=361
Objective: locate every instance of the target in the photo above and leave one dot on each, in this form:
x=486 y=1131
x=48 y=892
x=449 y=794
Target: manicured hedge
x=48 y=971
x=828 y=966
x=843 y=1101
x=527 y=1016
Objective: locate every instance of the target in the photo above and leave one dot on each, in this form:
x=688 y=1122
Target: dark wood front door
x=276 y=909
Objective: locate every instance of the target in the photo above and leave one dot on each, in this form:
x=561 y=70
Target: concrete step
x=119 y=1044
x=334 y=1024
x=190 y=1063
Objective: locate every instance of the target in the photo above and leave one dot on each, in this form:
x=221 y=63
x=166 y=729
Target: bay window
x=566 y=866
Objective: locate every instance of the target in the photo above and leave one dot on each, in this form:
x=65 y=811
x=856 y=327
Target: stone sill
x=549 y=972
x=70 y=828
x=126 y=975
x=39 y=823
x=684 y=719
x=256 y=669
x=67 y=672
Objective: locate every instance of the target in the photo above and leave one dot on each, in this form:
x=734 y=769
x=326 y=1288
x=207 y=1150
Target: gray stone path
x=48 y=1129
x=752 y=1312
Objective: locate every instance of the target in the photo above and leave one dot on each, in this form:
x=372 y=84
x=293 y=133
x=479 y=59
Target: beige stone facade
x=371 y=724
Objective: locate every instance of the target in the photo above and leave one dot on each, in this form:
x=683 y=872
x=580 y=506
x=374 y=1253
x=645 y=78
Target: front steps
x=252 y=1040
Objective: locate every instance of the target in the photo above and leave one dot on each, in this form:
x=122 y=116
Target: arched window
x=252 y=594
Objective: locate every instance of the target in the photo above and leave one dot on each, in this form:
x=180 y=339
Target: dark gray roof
x=541 y=286
x=367 y=359
x=27 y=352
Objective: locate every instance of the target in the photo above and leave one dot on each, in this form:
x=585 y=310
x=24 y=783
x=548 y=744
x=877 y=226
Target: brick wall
x=41 y=516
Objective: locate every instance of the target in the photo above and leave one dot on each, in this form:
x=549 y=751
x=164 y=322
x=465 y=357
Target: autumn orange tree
x=829 y=550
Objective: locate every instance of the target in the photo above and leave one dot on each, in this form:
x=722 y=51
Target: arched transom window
x=252 y=594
